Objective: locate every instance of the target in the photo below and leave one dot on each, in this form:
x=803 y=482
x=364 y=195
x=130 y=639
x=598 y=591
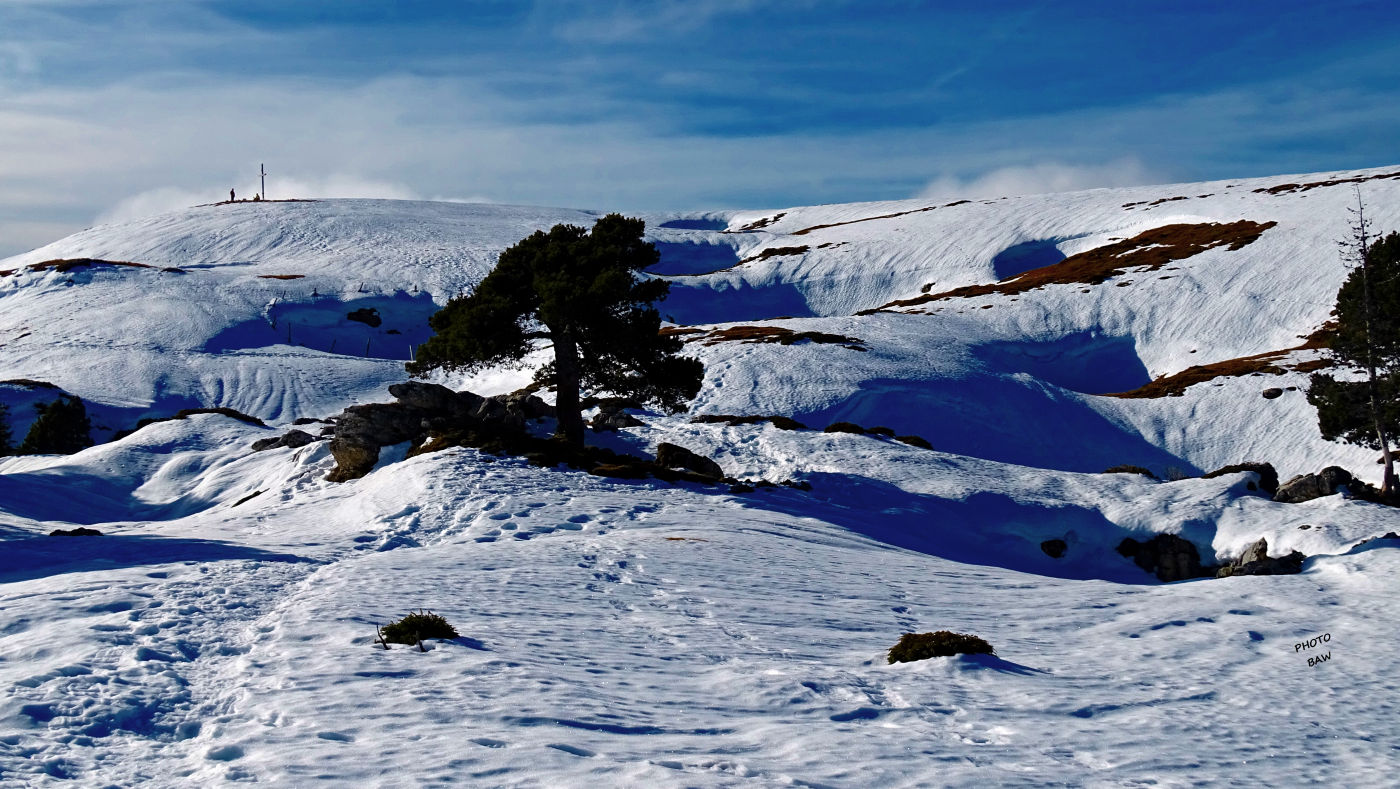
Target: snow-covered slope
x=645 y=634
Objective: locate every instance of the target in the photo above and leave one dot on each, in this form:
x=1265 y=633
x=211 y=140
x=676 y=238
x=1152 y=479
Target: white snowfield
x=641 y=633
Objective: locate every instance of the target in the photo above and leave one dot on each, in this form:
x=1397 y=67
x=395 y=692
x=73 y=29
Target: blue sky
x=110 y=110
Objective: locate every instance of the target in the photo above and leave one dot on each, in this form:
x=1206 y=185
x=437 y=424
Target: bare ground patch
x=1145 y=252
x=764 y=334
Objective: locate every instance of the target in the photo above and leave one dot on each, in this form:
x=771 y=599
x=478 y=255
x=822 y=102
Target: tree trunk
x=1363 y=248
x=566 y=388
x=1388 y=486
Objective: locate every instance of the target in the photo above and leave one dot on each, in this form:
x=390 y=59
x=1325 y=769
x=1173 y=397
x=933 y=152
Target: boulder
x=1167 y=556
x=293 y=438
x=511 y=411
x=529 y=406
x=1335 y=476
x=362 y=429
x=1306 y=487
x=673 y=456
x=429 y=397
x=1054 y=548
x=613 y=420
x=1272 y=392
x=1256 y=561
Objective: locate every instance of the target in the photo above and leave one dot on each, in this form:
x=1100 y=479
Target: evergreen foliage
x=580 y=291
x=61 y=429
x=417 y=626
x=1365 y=412
x=6 y=437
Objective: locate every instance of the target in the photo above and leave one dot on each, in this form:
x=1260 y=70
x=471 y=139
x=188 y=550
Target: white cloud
x=1039 y=179
x=172 y=198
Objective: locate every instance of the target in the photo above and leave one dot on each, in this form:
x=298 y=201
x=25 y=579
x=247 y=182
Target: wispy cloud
x=1039 y=179
x=114 y=110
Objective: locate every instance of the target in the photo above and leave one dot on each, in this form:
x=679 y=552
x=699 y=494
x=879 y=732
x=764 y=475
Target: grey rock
x=363 y=429
x=1256 y=552
x=609 y=419
x=293 y=438
x=673 y=456
x=429 y=397
x=1335 y=476
x=1256 y=561
x=1167 y=556
x=1304 y=487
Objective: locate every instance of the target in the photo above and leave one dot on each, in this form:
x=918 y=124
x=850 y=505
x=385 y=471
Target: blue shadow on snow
x=41 y=556
x=986 y=529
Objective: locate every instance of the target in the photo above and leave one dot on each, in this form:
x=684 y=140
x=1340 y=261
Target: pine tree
x=579 y=291
x=61 y=429
x=6 y=437
x=1365 y=412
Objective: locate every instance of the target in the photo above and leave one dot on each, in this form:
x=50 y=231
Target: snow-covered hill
x=642 y=633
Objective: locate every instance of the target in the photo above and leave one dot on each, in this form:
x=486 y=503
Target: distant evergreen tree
x=1365 y=412
x=61 y=429
x=7 y=438
x=578 y=290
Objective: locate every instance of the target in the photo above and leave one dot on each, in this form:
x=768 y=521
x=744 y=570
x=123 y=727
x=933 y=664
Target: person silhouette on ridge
x=230 y=195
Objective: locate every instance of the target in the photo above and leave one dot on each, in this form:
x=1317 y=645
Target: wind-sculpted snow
x=221 y=629
x=643 y=633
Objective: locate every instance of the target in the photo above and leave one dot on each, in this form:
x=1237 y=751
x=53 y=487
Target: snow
x=639 y=633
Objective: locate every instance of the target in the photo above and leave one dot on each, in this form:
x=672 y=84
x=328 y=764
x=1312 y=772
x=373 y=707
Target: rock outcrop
x=1256 y=561
x=1268 y=477
x=612 y=419
x=423 y=409
x=292 y=438
x=1167 y=556
x=1306 y=487
x=673 y=456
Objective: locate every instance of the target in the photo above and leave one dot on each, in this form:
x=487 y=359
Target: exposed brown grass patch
x=774 y=252
x=776 y=334
x=1147 y=251
x=68 y=264
x=758 y=224
x=1269 y=363
x=804 y=231
x=1282 y=189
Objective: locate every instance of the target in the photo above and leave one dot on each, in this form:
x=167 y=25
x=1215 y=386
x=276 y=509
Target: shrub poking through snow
x=416 y=627
x=844 y=427
x=943 y=643
x=914 y=441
